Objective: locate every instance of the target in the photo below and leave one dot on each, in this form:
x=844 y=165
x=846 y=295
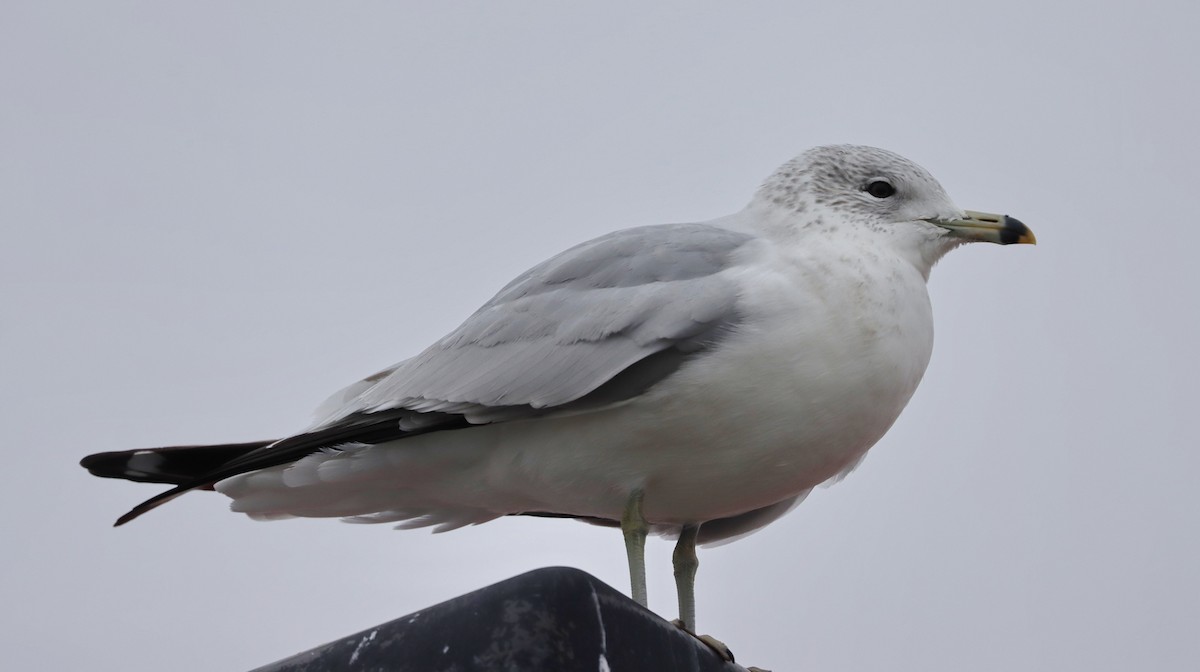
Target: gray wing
x=620 y=312
x=596 y=324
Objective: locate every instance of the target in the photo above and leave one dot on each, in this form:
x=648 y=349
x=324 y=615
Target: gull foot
x=711 y=642
x=716 y=645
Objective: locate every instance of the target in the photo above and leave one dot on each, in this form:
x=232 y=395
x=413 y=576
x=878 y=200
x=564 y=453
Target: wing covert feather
x=567 y=326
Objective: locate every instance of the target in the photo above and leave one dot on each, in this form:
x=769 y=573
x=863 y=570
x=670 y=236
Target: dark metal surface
x=554 y=619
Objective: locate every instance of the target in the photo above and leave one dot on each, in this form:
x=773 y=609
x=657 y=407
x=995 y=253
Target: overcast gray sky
x=214 y=214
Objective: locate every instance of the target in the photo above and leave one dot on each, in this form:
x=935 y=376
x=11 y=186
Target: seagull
x=688 y=380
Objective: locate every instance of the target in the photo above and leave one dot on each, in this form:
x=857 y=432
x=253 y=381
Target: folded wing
x=595 y=325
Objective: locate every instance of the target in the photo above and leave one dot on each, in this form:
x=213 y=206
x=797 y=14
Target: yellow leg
x=635 y=528
x=686 y=563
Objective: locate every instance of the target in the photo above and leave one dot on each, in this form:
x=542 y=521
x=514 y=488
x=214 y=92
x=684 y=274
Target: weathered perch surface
x=555 y=619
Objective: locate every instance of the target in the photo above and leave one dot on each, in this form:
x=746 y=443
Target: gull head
x=866 y=191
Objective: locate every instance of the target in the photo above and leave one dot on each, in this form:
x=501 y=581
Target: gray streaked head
x=857 y=180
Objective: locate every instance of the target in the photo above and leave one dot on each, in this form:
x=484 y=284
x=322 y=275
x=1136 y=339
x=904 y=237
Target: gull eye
x=880 y=188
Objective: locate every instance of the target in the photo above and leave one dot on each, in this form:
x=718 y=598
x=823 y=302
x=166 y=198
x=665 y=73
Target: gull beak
x=987 y=227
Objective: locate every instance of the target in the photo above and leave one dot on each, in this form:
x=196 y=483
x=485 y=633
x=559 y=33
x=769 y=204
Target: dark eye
x=880 y=188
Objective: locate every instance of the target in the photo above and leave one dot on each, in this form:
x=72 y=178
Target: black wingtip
x=170 y=464
x=157 y=501
x=95 y=464
x=185 y=467
x=130 y=515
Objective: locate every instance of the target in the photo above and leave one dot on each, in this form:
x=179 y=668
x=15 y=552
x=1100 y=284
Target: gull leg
x=635 y=528
x=686 y=563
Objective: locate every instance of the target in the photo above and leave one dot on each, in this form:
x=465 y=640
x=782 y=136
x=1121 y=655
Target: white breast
x=830 y=356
